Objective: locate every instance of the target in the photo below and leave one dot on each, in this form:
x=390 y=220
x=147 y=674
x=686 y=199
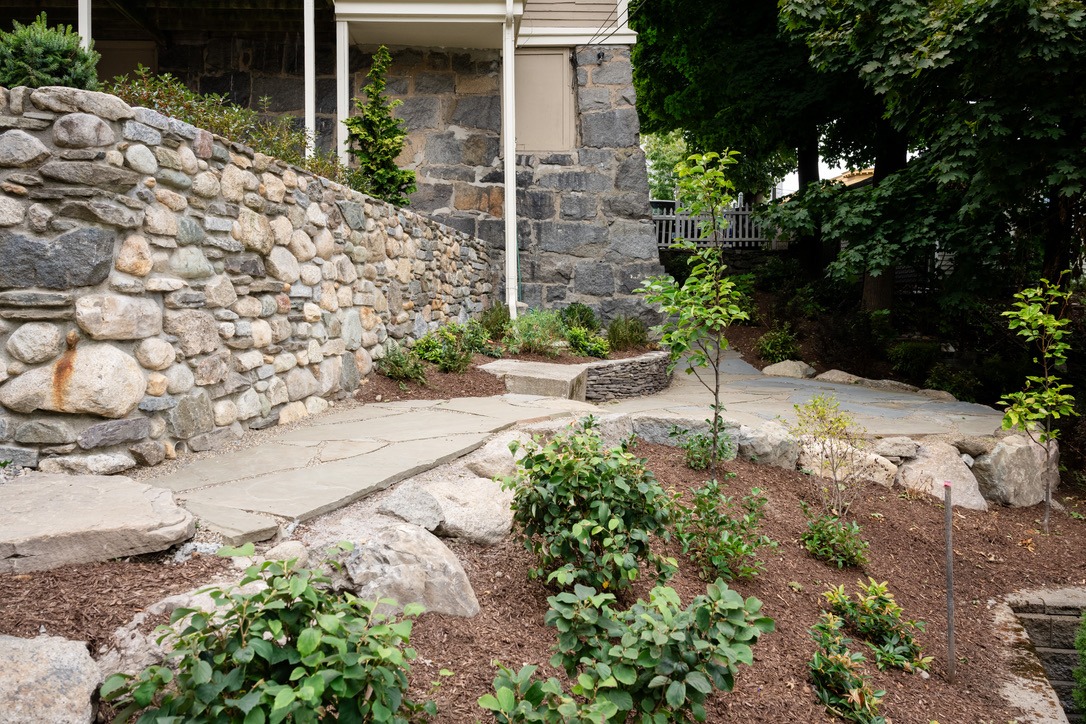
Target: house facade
x=544 y=82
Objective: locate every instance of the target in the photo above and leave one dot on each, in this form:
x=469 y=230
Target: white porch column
x=509 y=150
x=310 y=40
x=343 y=89
x=84 y=22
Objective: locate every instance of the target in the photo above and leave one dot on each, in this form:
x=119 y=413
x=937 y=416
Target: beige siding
x=571 y=13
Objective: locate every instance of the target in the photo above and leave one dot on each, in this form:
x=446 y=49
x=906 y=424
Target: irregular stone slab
x=82 y=130
x=1016 y=472
x=90 y=173
x=62 y=99
x=115 y=432
x=12 y=212
x=475 y=509
x=94 y=379
x=656 y=427
x=975 y=446
x=541 y=378
x=79 y=258
x=47 y=679
x=889 y=385
x=235 y=526
x=116 y=316
x=409 y=565
x=768 y=444
x=197 y=332
x=412 y=504
x=936 y=462
x=790 y=368
x=48 y=521
x=305 y=493
x=192 y=415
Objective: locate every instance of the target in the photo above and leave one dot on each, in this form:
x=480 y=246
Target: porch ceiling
x=426 y=23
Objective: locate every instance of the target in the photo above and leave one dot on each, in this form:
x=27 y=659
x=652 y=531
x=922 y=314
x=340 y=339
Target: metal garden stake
x=950 y=657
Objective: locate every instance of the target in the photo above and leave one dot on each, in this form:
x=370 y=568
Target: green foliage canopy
x=37 y=55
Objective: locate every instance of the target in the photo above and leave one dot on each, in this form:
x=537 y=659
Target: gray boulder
x=407 y=564
x=410 y=503
x=939 y=462
x=475 y=509
x=46 y=679
x=768 y=444
x=1016 y=471
x=790 y=368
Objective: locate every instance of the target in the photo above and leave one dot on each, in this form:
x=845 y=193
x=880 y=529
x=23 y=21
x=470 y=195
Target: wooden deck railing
x=742 y=231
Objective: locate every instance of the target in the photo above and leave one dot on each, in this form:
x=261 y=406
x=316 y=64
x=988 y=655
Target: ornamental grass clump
x=587 y=513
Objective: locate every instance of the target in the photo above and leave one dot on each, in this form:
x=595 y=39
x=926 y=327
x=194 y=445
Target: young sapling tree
x=1039 y=316
x=699 y=311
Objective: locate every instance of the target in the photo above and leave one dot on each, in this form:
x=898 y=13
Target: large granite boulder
x=1016 y=471
x=46 y=679
x=48 y=521
x=769 y=444
x=939 y=462
x=844 y=461
x=475 y=509
x=405 y=563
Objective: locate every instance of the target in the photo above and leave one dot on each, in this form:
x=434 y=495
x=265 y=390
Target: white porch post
x=84 y=22
x=310 y=40
x=343 y=89
x=509 y=149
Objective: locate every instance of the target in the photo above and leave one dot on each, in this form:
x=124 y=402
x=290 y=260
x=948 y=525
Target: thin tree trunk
x=891 y=155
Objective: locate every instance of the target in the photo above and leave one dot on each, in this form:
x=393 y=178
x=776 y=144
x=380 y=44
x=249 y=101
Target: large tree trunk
x=891 y=155
x=1062 y=232
x=811 y=254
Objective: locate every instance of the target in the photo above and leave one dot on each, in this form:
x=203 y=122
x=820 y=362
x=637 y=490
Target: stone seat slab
x=541 y=378
x=47 y=521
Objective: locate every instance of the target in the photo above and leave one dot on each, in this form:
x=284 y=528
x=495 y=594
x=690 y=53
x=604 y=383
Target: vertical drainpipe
x=509 y=149
x=310 y=40
x=343 y=88
x=84 y=22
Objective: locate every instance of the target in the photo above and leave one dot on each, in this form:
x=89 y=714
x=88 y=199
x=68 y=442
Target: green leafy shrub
x=837 y=445
x=400 y=365
x=875 y=617
x=720 y=534
x=37 y=55
x=778 y=344
x=495 y=321
x=838 y=677
x=587 y=513
x=657 y=659
x=377 y=138
x=804 y=303
x=291 y=650
x=833 y=540
x=698 y=446
x=587 y=343
x=278 y=137
x=961 y=383
x=535 y=332
x=452 y=346
x=580 y=315
x=627 y=333
x=914 y=358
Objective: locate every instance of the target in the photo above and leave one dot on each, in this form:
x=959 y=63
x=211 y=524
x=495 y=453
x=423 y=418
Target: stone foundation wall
x=584 y=228
x=1051 y=618
x=163 y=290
x=616 y=379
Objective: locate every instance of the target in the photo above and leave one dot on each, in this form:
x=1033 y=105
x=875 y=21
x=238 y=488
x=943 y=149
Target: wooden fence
x=741 y=232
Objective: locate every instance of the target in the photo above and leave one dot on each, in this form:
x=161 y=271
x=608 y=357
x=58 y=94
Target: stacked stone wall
x=162 y=289
x=633 y=377
x=584 y=225
x=1052 y=618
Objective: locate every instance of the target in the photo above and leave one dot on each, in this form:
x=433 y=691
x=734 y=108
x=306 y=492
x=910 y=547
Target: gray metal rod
x=950 y=655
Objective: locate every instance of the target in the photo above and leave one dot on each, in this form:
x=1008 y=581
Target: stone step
x=541 y=378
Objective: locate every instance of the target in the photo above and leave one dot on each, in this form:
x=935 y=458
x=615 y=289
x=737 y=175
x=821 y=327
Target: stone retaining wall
x=1051 y=618
x=163 y=289
x=615 y=379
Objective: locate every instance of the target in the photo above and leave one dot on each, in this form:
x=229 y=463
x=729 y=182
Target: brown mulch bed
x=89 y=602
x=996 y=553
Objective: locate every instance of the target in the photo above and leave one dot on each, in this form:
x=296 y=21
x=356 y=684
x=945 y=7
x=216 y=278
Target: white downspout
x=310 y=32
x=84 y=22
x=343 y=89
x=509 y=149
